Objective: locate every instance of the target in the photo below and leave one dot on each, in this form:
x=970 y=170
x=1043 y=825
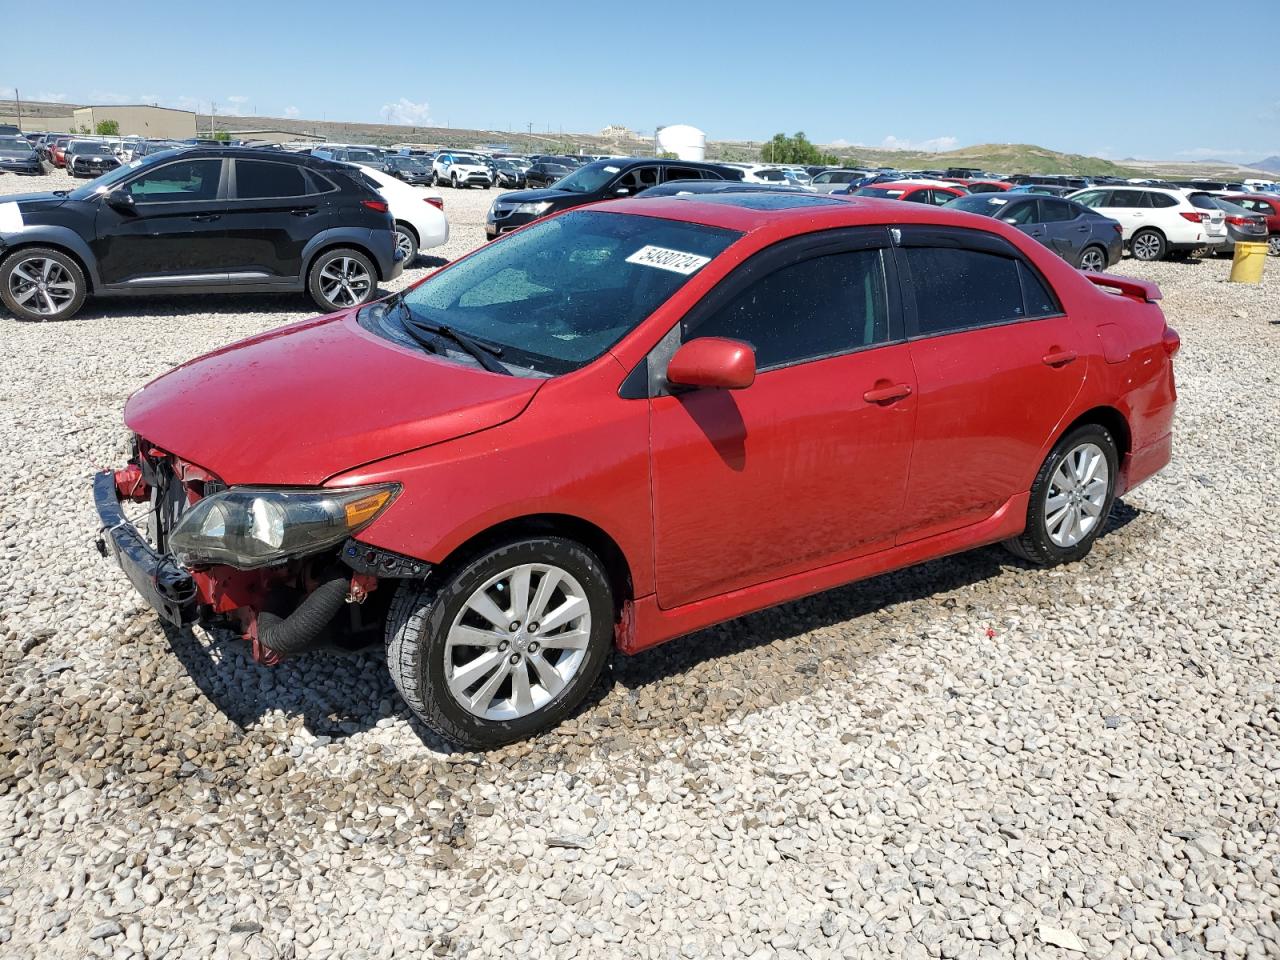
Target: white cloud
x=407 y=113
x=292 y=112
x=235 y=105
x=839 y=142
x=107 y=96
x=933 y=143
x=51 y=97
x=7 y=92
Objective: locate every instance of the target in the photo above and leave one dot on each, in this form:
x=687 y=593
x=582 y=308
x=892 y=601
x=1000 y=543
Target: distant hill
x=1271 y=164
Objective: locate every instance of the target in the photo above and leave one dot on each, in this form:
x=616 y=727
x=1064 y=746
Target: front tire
x=40 y=283
x=1148 y=245
x=506 y=644
x=1071 y=498
x=1273 y=245
x=342 y=278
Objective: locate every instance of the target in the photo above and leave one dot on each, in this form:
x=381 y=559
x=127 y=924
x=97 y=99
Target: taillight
x=437 y=202
x=1238 y=221
x=1117 y=228
x=379 y=205
x=1172 y=342
x=1195 y=216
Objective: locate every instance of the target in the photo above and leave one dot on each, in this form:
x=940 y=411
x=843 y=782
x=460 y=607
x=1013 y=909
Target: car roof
x=744 y=212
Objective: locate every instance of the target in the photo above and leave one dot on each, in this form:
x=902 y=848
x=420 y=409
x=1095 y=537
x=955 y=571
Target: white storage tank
x=686 y=142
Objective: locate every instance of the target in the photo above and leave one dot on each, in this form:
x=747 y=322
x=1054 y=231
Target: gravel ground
x=966 y=759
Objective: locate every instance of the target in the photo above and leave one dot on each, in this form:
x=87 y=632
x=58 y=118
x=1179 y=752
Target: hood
x=25 y=154
x=545 y=193
x=29 y=202
x=297 y=405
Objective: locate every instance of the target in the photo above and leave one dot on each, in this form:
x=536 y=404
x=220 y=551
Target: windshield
x=559 y=293
x=983 y=203
x=360 y=155
x=588 y=179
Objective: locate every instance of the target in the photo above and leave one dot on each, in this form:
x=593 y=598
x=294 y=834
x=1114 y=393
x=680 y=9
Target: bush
x=794 y=149
x=108 y=128
x=222 y=136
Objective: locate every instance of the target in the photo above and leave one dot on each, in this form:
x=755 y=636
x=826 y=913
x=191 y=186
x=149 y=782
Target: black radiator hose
x=305 y=627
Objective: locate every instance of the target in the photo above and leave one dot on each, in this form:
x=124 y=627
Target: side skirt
x=651 y=625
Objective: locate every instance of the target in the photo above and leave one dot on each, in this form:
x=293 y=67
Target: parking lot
x=970 y=758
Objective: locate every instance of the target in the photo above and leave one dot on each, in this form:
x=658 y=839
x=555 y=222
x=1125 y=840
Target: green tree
x=794 y=149
x=108 y=128
x=222 y=136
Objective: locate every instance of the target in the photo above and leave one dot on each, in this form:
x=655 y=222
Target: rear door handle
x=303 y=211
x=887 y=394
x=206 y=217
x=1059 y=358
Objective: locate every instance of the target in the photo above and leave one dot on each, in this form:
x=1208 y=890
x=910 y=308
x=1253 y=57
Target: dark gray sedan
x=18 y=156
x=1081 y=236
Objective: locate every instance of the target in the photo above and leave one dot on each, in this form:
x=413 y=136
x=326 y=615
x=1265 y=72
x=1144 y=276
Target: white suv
x=460 y=170
x=1159 y=222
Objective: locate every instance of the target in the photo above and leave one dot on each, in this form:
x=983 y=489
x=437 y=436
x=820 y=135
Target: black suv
x=198 y=220
x=599 y=180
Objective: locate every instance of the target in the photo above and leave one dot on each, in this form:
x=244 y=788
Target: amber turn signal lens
x=365 y=509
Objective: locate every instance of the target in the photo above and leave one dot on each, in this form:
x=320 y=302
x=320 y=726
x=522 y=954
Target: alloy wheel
x=1273 y=246
x=42 y=285
x=404 y=245
x=1077 y=494
x=517 y=641
x=345 y=282
x=1147 y=246
x=1092 y=260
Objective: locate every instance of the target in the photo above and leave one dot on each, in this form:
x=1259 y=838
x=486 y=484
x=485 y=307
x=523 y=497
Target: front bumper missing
x=162 y=582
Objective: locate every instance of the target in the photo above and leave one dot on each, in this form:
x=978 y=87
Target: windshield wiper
x=483 y=353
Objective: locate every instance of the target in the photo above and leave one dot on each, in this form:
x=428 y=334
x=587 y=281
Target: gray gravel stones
x=866 y=773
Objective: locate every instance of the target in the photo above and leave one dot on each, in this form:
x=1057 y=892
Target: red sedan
x=933 y=192
x=626 y=422
x=1268 y=205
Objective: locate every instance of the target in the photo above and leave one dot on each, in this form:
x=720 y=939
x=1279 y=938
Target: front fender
x=62 y=238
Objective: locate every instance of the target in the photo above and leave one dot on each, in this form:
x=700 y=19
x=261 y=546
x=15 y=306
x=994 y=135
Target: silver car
x=829 y=181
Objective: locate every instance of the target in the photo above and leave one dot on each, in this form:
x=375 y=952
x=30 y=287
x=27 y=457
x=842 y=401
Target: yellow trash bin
x=1246 y=265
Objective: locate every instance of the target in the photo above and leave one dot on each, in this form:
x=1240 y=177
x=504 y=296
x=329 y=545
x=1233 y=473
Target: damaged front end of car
x=277 y=564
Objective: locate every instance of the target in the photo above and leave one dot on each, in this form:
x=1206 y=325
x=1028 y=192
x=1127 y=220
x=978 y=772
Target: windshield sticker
x=612 y=169
x=10 y=218
x=998 y=201
x=677 y=261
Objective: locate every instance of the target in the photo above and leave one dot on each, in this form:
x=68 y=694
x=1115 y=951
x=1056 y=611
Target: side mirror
x=121 y=201
x=714 y=362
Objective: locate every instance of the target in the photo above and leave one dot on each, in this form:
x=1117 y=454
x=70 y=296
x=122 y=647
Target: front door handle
x=1058 y=358
x=206 y=217
x=889 y=394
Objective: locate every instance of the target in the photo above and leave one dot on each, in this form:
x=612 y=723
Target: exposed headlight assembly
x=534 y=209
x=250 y=527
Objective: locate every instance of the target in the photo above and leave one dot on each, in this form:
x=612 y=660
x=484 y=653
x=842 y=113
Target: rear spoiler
x=1127 y=286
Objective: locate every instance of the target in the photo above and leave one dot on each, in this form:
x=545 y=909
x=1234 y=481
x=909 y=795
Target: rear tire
x=428 y=662
x=1273 y=245
x=340 y=279
x=1148 y=245
x=1070 y=498
x=408 y=242
x=1093 y=259
x=22 y=273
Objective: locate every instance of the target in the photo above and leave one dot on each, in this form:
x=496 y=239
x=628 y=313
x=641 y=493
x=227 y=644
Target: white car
x=419 y=214
x=460 y=170
x=1157 y=222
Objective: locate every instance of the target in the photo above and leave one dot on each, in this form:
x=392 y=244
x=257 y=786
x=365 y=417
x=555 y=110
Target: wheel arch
x=1110 y=418
x=591 y=536
x=337 y=240
x=65 y=242
x=417 y=237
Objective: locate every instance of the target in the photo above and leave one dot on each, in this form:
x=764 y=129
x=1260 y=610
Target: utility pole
x=17 y=96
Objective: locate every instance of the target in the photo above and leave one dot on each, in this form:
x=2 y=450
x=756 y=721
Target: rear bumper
x=1144 y=463
x=168 y=588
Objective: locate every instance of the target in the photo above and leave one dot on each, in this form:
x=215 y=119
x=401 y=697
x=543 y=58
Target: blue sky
x=1144 y=79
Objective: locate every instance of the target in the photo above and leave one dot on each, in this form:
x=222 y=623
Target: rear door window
x=262 y=180
x=1053 y=210
x=958 y=289
x=681 y=173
